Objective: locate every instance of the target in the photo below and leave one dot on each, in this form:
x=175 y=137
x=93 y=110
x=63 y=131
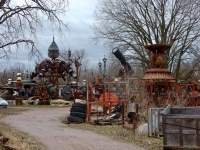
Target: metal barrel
x=121 y=58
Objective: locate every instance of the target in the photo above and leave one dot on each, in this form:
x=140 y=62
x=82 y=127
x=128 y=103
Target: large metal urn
x=159 y=71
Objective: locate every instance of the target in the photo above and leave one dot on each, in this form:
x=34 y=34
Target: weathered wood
x=181 y=128
x=134 y=125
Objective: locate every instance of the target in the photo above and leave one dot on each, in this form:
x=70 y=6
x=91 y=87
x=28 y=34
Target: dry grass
x=18 y=140
x=117 y=132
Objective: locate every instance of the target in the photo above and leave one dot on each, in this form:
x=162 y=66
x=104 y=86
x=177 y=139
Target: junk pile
x=78 y=112
x=113 y=119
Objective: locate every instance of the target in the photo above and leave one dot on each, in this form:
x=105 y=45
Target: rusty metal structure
x=158 y=79
x=108 y=93
x=103 y=95
x=159 y=72
x=160 y=87
x=49 y=71
x=156 y=89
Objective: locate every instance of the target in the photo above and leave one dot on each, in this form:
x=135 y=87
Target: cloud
x=79 y=17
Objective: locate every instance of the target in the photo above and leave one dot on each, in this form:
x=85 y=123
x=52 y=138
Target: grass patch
x=43 y=106
x=11 y=111
x=117 y=132
x=20 y=140
x=14 y=110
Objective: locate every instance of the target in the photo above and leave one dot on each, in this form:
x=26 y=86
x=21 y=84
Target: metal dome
x=53 y=51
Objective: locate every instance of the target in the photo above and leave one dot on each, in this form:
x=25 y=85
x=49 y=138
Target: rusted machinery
x=104 y=95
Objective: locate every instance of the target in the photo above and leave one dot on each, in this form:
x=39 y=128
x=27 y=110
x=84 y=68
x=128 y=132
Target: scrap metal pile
x=49 y=71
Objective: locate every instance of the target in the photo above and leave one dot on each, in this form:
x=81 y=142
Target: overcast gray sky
x=79 y=17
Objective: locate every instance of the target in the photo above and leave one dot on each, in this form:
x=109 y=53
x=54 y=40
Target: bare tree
x=186 y=73
x=81 y=57
x=20 y=22
x=91 y=74
x=4 y=76
x=133 y=24
x=10 y=72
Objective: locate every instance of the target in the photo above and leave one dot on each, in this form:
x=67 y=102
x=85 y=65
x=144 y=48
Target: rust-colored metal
x=110 y=97
x=159 y=71
x=158 y=47
x=49 y=71
x=105 y=100
x=159 y=75
x=52 y=70
x=161 y=94
x=158 y=79
x=104 y=103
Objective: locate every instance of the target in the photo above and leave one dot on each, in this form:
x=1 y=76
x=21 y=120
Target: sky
x=79 y=17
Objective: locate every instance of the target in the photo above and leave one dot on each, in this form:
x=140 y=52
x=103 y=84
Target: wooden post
x=134 y=126
x=122 y=114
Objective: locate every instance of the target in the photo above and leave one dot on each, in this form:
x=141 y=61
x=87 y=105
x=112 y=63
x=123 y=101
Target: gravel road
x=45 y=125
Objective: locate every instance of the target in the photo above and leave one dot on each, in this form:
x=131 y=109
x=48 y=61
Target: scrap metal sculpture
x=49 y=71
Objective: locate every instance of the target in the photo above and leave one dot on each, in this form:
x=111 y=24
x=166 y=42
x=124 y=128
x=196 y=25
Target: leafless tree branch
x=21 y=22
x=133 y=24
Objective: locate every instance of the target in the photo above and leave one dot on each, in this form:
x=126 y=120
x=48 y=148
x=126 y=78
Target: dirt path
x=45 y=125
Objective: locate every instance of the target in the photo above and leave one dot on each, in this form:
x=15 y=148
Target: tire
x=75 y=119
x=78 y=114
x=78 y=109
x=79 y=105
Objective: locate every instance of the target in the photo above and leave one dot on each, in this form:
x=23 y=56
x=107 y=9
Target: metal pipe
x=100 y=68
x=104 y=80
x=104 y=72
x=88 y=105
x=122 y=59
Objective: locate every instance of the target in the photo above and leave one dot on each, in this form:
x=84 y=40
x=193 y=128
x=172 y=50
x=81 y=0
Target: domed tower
x=53 y=51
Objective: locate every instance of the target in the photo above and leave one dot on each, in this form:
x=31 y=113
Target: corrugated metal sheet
x=155 y=122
